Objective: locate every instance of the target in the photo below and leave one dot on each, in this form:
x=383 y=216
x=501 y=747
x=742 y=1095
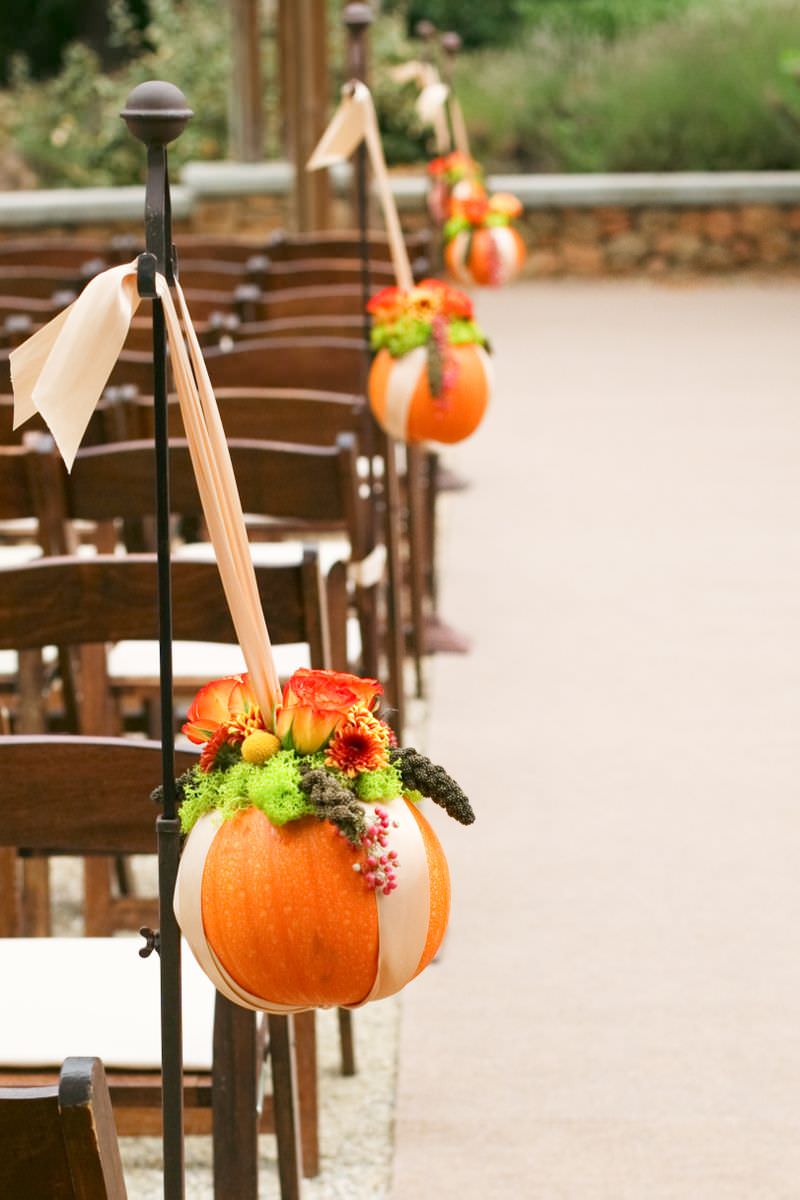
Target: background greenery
x=554 y=85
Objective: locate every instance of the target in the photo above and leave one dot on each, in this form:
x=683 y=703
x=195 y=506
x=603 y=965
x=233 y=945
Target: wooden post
x=244 y=107
x=303 y=61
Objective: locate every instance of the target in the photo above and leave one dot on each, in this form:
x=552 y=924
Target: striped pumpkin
x=280 y=921
x=402 y=403
x=488 y=256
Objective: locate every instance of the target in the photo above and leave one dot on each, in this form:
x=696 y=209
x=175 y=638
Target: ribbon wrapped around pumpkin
x=300 y=809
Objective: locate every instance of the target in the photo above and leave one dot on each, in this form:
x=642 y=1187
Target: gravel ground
x=353 y=1167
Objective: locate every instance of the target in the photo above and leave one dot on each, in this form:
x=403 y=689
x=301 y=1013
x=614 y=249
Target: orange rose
x=458 y=304
x=216 y=705
x=315 y=703
x=387 y=304
x=474 y=209
x=506 y=204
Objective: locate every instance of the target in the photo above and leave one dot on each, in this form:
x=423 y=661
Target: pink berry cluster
x=380 y=866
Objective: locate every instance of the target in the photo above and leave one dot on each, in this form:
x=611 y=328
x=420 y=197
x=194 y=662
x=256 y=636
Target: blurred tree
x=479 y=23
x=40 y=30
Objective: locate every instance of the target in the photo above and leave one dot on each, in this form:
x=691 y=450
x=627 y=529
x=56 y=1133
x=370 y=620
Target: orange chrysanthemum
x=361 y=743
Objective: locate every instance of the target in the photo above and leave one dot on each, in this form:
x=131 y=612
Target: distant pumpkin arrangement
x=481 y=245
x=431 y=376
x=309 y=877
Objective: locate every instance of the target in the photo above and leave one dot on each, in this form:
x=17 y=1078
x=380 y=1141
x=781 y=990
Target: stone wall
x=682 y=223
x=617 y=240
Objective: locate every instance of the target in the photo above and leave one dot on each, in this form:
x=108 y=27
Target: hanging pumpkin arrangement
x=481 y=244
x=453 y=175
x=309 y=877
x=431 y=376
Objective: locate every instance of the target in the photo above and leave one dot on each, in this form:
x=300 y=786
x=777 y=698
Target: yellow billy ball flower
x=259 y=746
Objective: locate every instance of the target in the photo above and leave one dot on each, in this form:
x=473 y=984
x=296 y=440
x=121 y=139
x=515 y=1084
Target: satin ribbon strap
x=355 y=121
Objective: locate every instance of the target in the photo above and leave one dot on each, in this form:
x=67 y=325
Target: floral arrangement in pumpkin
x=481 y=212
x=453 y=174
x=453 y=167
x=324 y=752
x=432 y=314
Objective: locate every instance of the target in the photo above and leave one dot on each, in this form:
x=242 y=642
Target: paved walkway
x=617 y=1011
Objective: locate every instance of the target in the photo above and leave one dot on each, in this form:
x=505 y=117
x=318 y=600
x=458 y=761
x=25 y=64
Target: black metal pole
x=156 y=113
x=357 y=18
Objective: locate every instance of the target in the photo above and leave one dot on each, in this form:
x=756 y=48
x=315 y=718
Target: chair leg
x=284 y=1095
x=233 y=1090
x=346 y=1041
x=97 y=897
x=9 y=901
x=35 y=905
x=305 y=1033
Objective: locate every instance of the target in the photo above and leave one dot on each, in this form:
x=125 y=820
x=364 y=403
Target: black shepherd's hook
x=156 y=113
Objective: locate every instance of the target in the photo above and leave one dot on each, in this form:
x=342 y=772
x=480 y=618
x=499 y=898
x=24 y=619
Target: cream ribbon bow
x=354 y=122
x=433 y=101
x=60 y=372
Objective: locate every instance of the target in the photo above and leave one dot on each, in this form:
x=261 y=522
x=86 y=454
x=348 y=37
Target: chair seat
x=331 y=550
x=96 y=997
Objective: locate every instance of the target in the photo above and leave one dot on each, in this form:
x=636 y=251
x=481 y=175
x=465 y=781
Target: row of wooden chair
x=341 y=478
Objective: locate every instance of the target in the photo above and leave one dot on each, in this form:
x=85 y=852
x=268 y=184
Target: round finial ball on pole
x=357 y=17
x=156 y=112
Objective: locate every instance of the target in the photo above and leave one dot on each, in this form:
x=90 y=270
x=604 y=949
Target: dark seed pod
x=419 y=774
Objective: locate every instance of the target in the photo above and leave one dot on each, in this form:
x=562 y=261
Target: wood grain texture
x=59 y=1140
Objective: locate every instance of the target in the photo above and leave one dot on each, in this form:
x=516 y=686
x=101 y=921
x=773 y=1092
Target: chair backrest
x=59 y=1142
x=40 y=282
x=110 y=598
x=69 y=252
x=302 y=416
x=82 y=795
x=311 y=483
x=329 y=364
x=341 y=243
x=321 y=272
x=324 y=326
x=105 y=423
x=339 y=299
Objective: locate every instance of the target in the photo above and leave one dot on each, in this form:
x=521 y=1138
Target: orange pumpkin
x=281 y=922
x=488 y=256
x=401 y=399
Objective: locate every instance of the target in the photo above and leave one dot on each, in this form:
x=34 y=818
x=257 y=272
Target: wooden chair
x=76 y=795
x=311 y=491
x=340 y=299
x=331 y=364
x=59 y=1141
x=333 y=326
x=40 y=282
x=64 y=252
x=79 y=602
x=342 y=243
x=281 y=246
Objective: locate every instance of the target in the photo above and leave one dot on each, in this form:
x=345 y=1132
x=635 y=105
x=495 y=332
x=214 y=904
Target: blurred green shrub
x=695 y=92
x=67 y=128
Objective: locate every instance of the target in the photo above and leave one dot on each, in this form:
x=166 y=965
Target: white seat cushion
x=95 y=996
x=331 y=550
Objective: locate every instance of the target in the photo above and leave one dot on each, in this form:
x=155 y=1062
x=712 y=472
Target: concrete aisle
x=617 y=1011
